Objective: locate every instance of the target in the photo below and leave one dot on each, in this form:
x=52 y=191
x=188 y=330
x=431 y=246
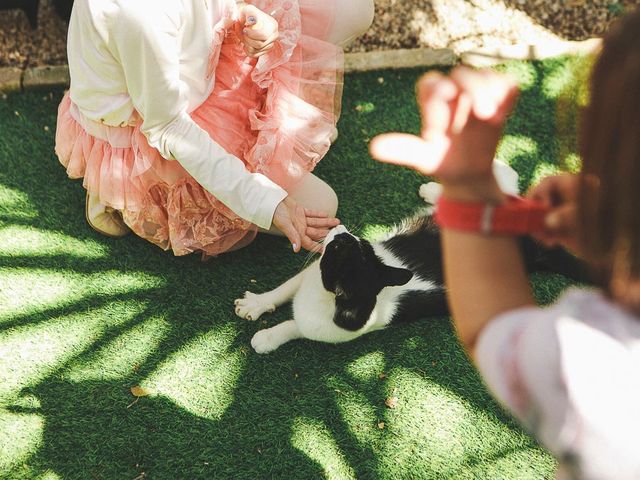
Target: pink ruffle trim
x=277 y=114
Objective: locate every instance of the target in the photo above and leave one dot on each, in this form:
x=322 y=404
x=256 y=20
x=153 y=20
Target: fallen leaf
x=381 y=425
x=140 y=392
x=382 y=376
x=391 y=402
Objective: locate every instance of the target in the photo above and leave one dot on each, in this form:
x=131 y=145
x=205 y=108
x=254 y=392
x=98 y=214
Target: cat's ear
x=392 y=276
x=340 y=292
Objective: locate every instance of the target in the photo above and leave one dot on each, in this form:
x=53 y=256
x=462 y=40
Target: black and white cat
x=358 y=287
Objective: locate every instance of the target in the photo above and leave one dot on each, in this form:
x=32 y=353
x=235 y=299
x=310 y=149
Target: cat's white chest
x=314 y=310
x=313 y=306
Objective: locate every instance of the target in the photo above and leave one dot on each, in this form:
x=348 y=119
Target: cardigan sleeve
x=148 y=50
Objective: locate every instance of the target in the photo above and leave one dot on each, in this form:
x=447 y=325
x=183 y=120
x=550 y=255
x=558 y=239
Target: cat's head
x=352 y=271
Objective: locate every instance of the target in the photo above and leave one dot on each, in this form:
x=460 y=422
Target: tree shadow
x=93 y=428
x=97 y=429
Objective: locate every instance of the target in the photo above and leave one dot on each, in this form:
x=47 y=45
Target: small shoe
x=105 y=220
x=334 y=136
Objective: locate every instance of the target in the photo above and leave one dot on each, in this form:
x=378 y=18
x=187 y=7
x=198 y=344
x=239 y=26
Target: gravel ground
x=457 y=24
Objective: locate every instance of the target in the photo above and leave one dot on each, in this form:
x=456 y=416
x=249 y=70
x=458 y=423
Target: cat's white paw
x=252 y=306
x=264 y=341
x=430 y=192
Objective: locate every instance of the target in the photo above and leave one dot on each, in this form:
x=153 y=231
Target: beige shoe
x=103 y=219
x=334 y=136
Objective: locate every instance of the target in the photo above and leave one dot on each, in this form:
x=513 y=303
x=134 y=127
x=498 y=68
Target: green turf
x=83 y=318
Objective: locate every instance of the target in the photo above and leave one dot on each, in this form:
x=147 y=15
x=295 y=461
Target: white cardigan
x=152 y=56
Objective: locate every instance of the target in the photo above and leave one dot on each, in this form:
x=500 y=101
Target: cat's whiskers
x=308 y=259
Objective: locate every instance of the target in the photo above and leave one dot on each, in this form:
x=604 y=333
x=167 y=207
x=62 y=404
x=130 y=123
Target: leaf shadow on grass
x=88 y=429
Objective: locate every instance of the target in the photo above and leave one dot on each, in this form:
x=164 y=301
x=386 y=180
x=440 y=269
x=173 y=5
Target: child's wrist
x=477 y=190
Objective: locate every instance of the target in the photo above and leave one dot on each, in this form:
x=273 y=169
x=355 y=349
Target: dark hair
x=609 y=145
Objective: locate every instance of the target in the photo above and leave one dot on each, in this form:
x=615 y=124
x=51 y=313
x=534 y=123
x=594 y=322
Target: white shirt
x=570 y=373
x=152 y=56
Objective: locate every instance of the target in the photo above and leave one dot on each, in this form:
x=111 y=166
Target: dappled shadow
x=83 y=439
x=97 y=429
x=217 y=409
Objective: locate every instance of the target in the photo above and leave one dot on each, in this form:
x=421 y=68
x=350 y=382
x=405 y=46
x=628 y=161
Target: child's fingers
x=317 y=233
x=555 y=190
x=259 y=44
x=462 y=109
x=311 y=245
x=256 y=53
x=257 y=24
x=544 y=191
x=315 y=213
x=322 y=222
x=289 y=230
x=435 y=93
x=492 y=94
x=507 y=106
x=266 y=34
x=249 y=15
x=409 y=151
x=562 y=221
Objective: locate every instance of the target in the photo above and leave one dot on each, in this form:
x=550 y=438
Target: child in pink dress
x=568 y=372
x=196 y=122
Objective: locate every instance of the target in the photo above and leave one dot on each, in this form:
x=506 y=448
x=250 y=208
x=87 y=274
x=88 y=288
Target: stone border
x=14 y=79
x=45 y=77
x=408 y=58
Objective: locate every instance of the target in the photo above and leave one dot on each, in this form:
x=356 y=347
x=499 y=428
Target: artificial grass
x=83 y=318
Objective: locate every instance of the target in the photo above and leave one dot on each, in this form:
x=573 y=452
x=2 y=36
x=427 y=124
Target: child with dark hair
x=568 y=372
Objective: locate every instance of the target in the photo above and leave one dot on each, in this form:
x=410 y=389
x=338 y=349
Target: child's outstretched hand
x=462 y=119
x=257 y=30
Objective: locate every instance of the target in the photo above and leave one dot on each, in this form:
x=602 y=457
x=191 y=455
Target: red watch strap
x=518 y=216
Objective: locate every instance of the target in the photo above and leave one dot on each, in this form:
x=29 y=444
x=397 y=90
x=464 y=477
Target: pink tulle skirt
x=277 y=114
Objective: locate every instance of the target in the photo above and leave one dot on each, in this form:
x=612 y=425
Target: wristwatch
x=516 y=216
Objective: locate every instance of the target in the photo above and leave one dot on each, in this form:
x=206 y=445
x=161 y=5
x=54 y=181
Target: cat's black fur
x=351 y=269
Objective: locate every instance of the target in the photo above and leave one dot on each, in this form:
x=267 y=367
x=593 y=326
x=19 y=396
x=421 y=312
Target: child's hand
x=462 y=120
x=560 y=194
x=303 y=227
x=257 y=30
